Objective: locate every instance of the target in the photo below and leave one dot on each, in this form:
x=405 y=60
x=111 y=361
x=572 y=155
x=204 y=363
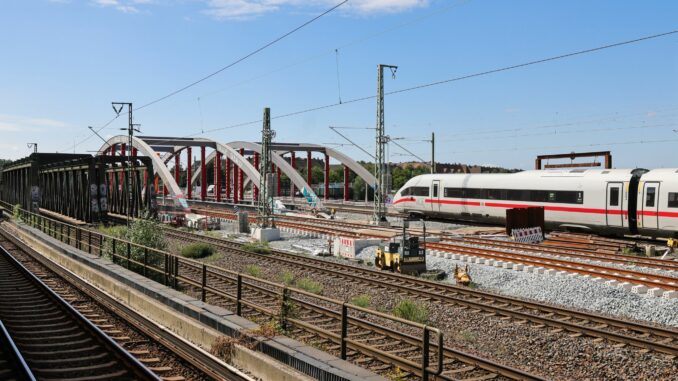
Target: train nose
x=397 y=206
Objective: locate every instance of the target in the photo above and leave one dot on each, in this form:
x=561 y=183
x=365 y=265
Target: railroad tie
x=459 y=370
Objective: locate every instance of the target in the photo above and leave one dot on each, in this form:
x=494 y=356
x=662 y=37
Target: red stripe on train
x=549 y=208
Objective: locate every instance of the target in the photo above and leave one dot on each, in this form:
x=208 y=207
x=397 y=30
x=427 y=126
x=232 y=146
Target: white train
x=615 y=201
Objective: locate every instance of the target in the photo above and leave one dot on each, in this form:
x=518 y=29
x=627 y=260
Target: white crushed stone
x=573 y=292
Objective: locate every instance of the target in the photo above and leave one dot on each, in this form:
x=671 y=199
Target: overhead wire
x=241 y=59
x=468 y=76
x=568 y=146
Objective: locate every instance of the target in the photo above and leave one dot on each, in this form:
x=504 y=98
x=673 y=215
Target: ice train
x=605 y=201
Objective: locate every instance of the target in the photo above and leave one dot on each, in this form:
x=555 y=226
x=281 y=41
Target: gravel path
x=552 y=355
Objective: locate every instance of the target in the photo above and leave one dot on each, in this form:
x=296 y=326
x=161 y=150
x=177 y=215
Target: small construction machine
x=405 y=257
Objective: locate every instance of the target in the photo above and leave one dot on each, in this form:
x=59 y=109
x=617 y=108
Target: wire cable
x=242 y=58
x=469 y=76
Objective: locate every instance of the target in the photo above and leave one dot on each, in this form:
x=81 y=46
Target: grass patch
x=411 y=311
x=361 y=301
x=214 y=258
x=467 y=336
x=287 y=278
x=257 y=247
x=197 y=250
x=309 y=285
x=253 y=270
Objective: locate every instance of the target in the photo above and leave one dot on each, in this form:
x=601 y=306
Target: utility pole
x=117 y=107
x=433 y=152
x=265 y=201
x=381 y=140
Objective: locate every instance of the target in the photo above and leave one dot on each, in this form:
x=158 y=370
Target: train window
x=419 y=191
x=405 y=192
x=494 y=194
x=470 y=193
x=673 y=200
x=435 y=190
x=614 y=196
x=649 y=197
x=452 y=192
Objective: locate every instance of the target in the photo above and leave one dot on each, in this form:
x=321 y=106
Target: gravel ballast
x=536 y=350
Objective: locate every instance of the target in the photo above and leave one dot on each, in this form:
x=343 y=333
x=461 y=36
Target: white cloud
x=246 y=9
x=15 y=123
x=122 y=6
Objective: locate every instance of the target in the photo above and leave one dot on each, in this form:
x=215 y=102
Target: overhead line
x=221 y=69
x=242 y=58
x=474 y=75
x=569 y=146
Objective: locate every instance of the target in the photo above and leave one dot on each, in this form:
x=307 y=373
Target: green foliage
x=16 y=212
x=257 y=247
x=147 y=233
x=197 y=250
x=361 y=301
x=142 y=232
x=253 y=270
x=287 y=278
x=411 y=311
x=309 y=285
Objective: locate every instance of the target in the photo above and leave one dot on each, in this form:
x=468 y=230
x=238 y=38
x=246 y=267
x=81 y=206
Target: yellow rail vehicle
x=407 y=258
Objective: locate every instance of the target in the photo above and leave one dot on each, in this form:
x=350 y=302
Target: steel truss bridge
x=89 y=188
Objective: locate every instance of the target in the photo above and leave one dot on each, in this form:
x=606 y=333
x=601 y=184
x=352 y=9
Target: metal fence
x=246 y=291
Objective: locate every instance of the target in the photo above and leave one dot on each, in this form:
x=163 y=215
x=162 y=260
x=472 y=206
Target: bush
x=142 y=232
x=257 y=247
x=287 y=278
x=253 y=270
x=361 y=301
x=16 y=212
x=411 y=311
x=310 y=285
x=197 y=250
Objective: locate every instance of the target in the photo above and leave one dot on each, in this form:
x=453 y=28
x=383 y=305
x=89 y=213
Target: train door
x=650 y=205
x=614 y=207
x=435 y=195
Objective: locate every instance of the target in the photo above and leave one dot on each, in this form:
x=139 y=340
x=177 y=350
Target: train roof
x=577 y=172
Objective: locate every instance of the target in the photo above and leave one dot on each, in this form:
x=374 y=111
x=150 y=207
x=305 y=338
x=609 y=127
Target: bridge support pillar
x=217 y=177
x=203 y=175
x=293 y=163
x=228 y=178
x=241 y=178
x=346 y=183
x=255 y=189
x=123 y=152
x=278 y=180
x=189 y=173
x=309 y=169
x=177 y=166
x=327 y=177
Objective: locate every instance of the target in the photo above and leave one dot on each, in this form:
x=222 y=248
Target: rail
x=170 y=269
x=23 y=372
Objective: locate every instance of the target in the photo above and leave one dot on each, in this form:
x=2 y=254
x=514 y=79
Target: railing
x=190 y=275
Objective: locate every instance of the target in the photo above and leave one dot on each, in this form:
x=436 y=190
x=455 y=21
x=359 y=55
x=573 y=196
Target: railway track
x=398 y=348
x=164 y=355
x=314 y=320
x=57 y=341
x=618 y=331
x=514 y=252
x=12 y=364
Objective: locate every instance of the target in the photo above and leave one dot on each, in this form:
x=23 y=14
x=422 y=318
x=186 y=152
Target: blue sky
x=64 y=61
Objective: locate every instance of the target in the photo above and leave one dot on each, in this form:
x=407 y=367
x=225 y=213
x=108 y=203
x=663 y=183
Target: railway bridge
x=89 y=188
